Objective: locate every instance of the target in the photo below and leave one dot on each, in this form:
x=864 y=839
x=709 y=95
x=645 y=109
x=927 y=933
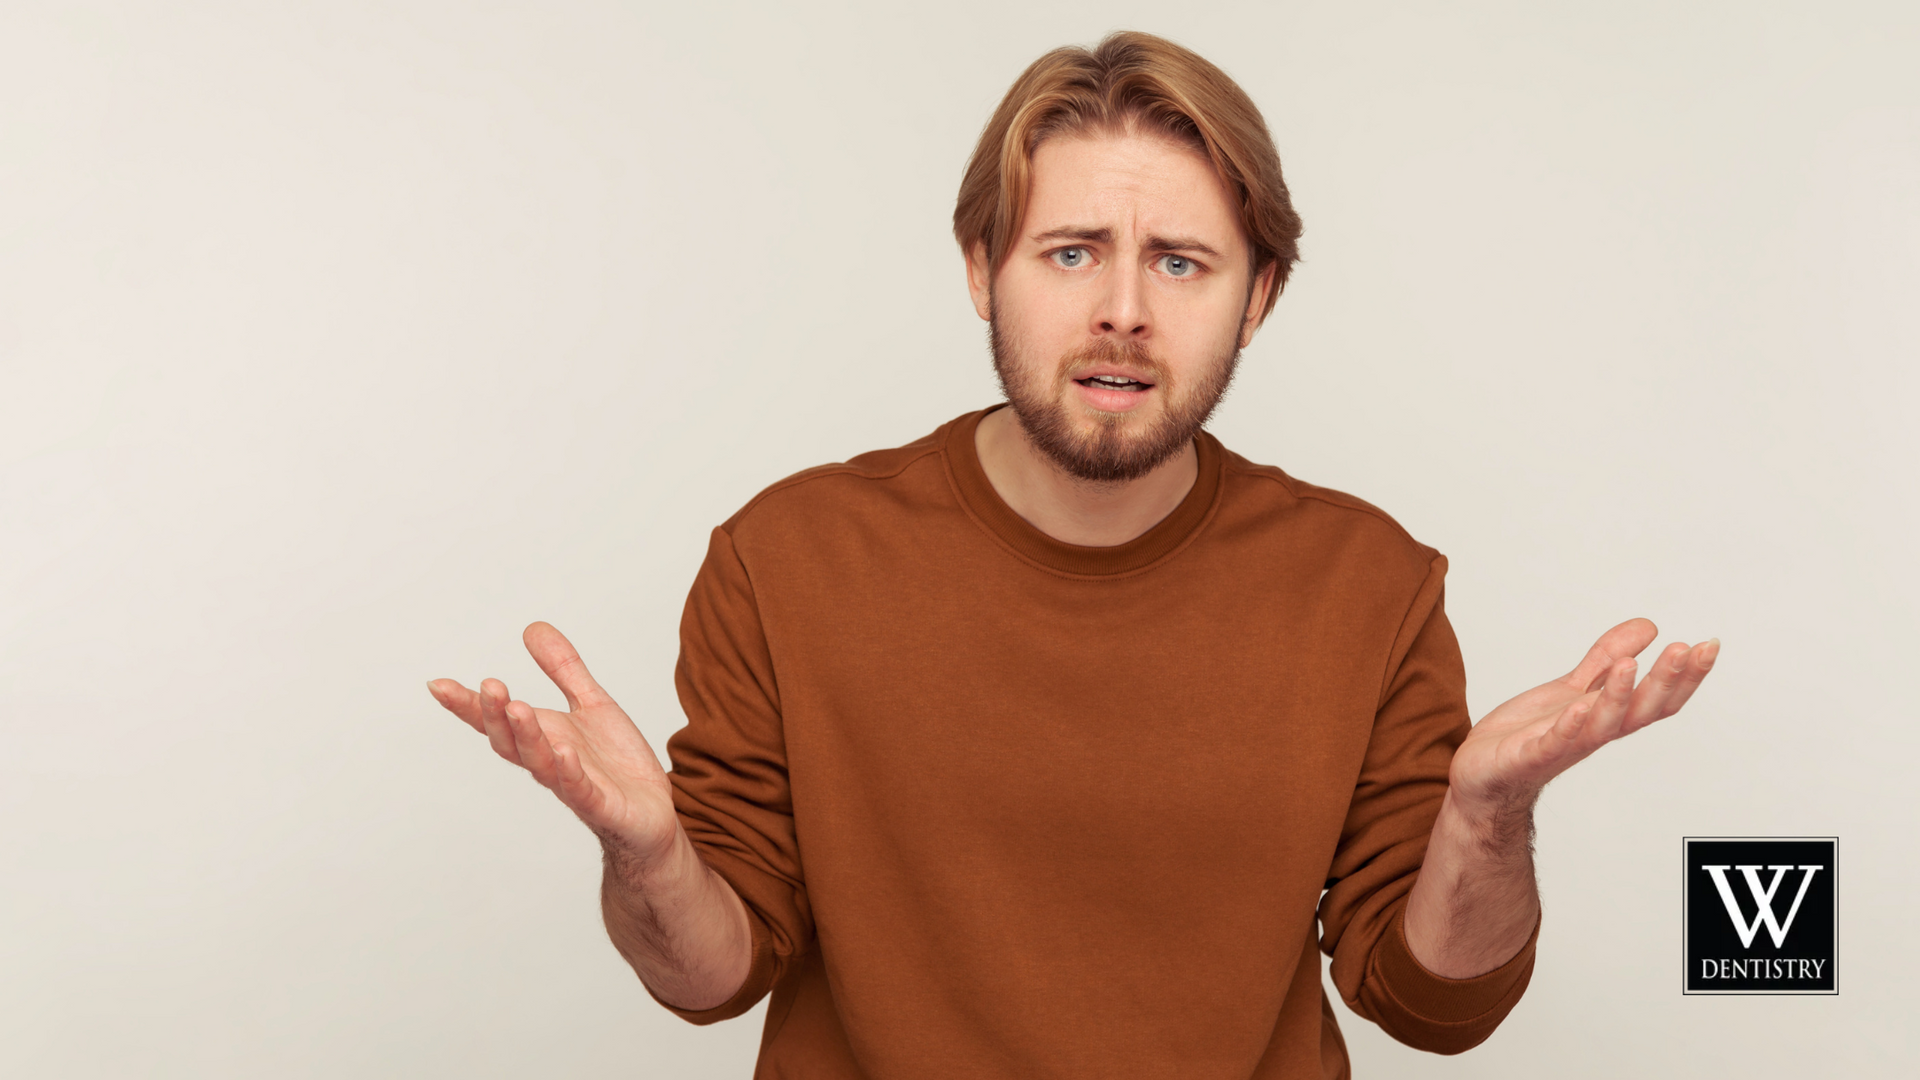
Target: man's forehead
x=1102 y=187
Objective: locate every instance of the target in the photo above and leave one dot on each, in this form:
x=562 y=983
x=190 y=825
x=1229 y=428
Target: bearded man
x=1059 y=742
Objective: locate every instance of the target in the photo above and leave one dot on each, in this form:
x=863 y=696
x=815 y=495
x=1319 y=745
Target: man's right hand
x=680 y=924
x=591 y=756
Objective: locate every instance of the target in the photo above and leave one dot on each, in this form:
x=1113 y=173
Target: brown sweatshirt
x=1000 y=806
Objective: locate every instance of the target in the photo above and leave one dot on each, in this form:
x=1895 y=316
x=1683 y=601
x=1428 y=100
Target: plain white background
x=340 y=340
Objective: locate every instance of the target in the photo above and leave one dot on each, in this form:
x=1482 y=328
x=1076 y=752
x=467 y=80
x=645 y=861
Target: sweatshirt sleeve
x=1421 y=719
x=729 y=772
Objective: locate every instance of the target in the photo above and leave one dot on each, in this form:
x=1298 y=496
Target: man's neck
x=1067 y=508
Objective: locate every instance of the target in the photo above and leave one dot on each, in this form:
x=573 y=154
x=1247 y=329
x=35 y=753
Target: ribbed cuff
x=1440 y=1000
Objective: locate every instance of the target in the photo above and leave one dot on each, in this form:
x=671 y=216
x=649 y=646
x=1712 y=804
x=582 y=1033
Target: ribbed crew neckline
x=1166 y=536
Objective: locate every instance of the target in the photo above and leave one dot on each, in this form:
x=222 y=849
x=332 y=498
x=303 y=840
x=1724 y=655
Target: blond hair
x=1130 y=81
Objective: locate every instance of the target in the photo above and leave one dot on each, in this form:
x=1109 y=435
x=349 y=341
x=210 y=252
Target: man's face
x=1121 y=308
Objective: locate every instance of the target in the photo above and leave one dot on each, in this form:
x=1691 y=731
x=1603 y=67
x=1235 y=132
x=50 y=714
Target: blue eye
x=1177 y=266
x=1070 y=257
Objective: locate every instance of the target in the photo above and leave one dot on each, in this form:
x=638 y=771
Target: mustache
x=1104 y=351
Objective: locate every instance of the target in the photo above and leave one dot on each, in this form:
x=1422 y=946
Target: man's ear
x=1257 y=303
x=980 y=280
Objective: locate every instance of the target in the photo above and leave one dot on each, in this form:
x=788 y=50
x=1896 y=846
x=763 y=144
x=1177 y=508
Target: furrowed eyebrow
x=1180 y=243
x=1091 y=235
x=1076 y=232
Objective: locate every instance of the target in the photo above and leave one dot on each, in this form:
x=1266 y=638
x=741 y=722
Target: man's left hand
x=1515 y=749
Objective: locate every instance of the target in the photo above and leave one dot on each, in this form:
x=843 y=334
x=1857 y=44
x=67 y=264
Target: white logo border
x=1686 y=880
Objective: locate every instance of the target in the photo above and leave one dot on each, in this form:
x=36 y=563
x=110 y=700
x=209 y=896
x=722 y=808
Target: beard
x=1109 y=453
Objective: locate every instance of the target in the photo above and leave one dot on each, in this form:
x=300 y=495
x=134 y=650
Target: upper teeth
x=1117 y=379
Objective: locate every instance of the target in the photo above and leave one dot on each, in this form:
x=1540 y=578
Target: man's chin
x=1122 y=433
x=1089 y=423
x=1099 y=446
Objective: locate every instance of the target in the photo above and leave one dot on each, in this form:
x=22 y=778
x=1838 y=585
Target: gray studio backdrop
x=340 y=340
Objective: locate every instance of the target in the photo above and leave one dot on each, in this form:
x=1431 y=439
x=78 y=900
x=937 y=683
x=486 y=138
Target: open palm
x=1515 y=749
x=591 y=756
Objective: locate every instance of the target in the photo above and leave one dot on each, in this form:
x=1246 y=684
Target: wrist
x=1474 y=904
x=1502 y=822
x=638 y=865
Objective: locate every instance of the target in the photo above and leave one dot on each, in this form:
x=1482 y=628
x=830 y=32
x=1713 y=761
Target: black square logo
x=1760 y=914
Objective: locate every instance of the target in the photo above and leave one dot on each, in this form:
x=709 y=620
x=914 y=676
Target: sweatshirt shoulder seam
x=821 y=472
x=1350 y=503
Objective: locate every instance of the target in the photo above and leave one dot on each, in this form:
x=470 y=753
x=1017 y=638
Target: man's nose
x=1122 y=309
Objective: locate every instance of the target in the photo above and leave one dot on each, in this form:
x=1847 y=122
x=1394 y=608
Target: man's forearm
x=678 y=923
x=1476 y=903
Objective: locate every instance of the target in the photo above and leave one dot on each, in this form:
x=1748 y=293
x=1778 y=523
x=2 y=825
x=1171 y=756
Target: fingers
x=518 y=733
x=493 y=719
x=1700 y=660
x=1674 y=678
x=1572 y=721
x=556 y=656
x=574 y=787
x=530 y=742
x=1651 y=700
x=1610 y=705
x=1586 y=724
x=1627 y=639
x=458 y=700
x=1616 y=707
x=1583 y=726
x=486 y=712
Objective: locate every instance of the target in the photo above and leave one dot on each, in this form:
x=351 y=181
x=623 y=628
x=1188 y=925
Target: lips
x=1114 y=382
x=1114 y=377
x=1113 y=389
x=1119 y=379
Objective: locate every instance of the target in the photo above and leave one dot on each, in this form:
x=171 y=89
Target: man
x=1038 y=746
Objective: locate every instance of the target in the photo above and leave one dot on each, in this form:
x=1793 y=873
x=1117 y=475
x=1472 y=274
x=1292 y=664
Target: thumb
x=556 y=656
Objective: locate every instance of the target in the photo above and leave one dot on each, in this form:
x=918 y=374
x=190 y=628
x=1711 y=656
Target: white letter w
x=1762 y=898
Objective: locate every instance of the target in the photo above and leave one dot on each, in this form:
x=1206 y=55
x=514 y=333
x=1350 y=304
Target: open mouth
x=1114 y=382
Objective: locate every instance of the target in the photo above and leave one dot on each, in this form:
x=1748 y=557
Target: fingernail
x=432 y=689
